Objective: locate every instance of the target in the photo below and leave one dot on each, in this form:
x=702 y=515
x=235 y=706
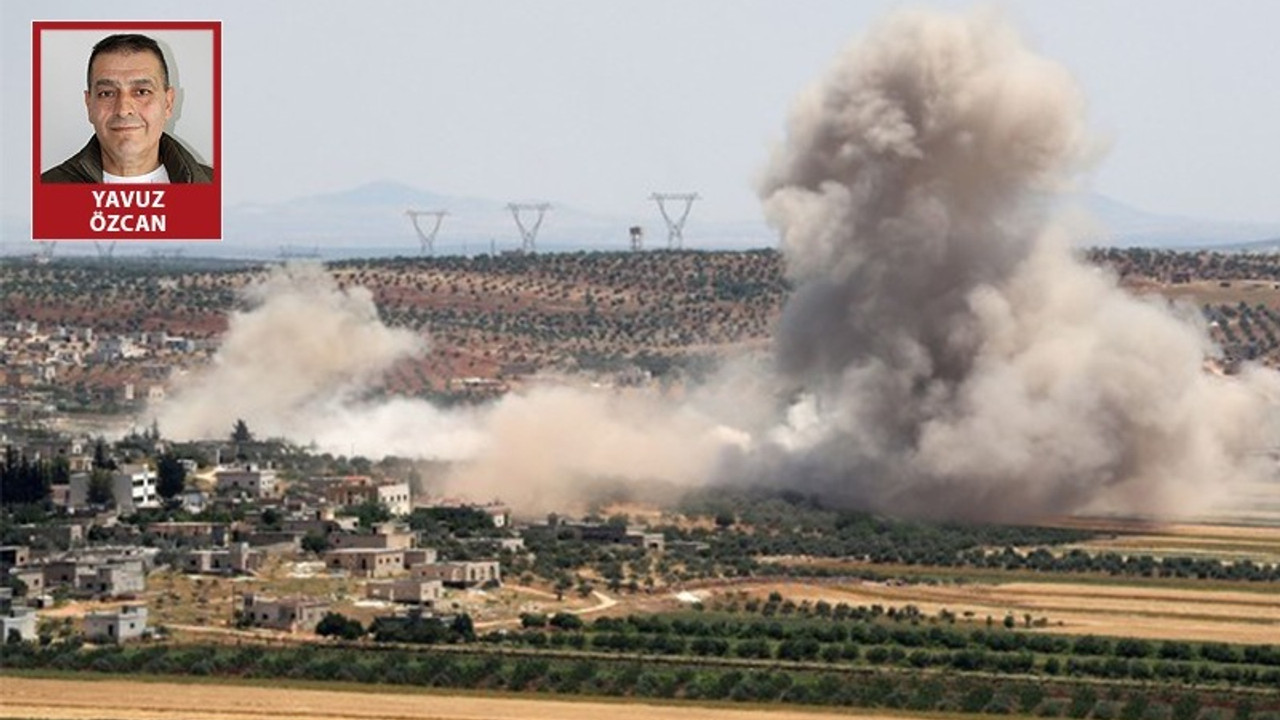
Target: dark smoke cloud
x=955 y=358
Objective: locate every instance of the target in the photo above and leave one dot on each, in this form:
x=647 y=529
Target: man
x=129 y=100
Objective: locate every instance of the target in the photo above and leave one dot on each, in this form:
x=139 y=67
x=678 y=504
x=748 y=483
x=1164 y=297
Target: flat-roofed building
x=127 y=623
x=414 y=591
x=292 y=614
x=366 y=562
x=248 y=480
x=460 y=574
x=352 y=490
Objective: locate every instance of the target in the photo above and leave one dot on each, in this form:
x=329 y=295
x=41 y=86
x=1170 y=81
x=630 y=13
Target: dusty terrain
x=126 y=700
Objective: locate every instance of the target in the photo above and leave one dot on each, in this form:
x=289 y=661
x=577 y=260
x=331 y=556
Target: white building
x=134 y=486
x=249 y=480
x=128 y=623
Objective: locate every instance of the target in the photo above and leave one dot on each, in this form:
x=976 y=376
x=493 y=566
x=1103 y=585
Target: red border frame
x=62 y=211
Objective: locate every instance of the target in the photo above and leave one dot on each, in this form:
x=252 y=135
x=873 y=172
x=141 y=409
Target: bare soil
x=131 y=700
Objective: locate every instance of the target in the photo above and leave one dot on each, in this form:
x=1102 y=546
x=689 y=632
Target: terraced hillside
x=498 y=318
x=492 y=318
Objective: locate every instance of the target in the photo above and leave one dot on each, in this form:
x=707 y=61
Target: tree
x=314 y=542
x=369 y=513
x=463 y=627
x=240 y=433
x=171 y=476
x=102 y=459
x=100 y=491
x=338 y=625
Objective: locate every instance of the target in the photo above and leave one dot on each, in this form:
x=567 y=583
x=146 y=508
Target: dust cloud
x=299 y=362
x=943 y=352
x=953 y=358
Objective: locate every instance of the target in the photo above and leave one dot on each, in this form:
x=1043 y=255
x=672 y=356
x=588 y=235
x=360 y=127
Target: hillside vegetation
x=498 y=318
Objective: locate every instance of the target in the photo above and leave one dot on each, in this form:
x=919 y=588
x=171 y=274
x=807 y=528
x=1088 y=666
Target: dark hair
x=127 y=44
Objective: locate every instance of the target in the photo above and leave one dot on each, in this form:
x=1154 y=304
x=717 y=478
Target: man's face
x=128 y=106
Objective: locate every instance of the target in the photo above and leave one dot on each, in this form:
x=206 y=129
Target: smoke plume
x=947 y=354
x=299 y=361
x=952 y=356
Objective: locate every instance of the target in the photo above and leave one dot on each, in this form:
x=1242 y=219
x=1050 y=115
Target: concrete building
x=380 y=540
x=190 y=533
x=31 y=576
x=236 y=559
x=18 y=621
x=248 y=480
x=603 y=533
x=112 y=580
x=109 y=576
x=127 y=623
x=14 y=556
x=359 y=489
x=289 y=614
x=414 y=591
x=132 y=487
x=366 y=562
x=420 y=556
x=460 y=574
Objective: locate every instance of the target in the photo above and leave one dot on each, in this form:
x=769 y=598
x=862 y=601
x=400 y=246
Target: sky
x=599 y=104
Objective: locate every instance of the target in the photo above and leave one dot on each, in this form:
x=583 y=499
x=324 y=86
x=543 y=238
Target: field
x=128 y=700
x=1123 y=610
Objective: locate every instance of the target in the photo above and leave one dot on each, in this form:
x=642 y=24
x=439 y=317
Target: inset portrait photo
x=127 y=130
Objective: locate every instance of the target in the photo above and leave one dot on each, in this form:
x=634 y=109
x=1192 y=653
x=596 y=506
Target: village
x=258 y=552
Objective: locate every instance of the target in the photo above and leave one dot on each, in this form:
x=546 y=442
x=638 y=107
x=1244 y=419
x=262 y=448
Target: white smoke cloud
x=958 y=359
x=297 y=364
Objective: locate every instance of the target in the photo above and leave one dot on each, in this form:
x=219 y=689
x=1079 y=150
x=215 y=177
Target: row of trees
x=914 y=690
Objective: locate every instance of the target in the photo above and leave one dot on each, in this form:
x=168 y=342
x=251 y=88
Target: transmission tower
x=528 y=234
x=289 y=252
x=675 y=228
x=46 y=251
x=106 y=253
x=637 y=238
x=428 y=238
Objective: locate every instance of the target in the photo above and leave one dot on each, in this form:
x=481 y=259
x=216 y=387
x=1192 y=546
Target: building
x=460 y=574
x=413 y=591
x=289 y=614
x=105 y=576
x=420 y=556
x=132 y=487
x=18 y=621
x=360 y=489
x=385 y=540
x=32 y=577
x=603 y=533
x=127 y=623
x=247 y=480
x=112 y=580
x=366 y=562
x=190 y=533
x=14 y=556
x=237 y=559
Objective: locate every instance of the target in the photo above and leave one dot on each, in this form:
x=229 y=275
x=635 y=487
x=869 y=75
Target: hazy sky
x=596 y=104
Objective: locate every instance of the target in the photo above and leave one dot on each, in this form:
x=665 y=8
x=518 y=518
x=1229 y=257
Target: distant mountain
x=1126 y=226
x=370 y=220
